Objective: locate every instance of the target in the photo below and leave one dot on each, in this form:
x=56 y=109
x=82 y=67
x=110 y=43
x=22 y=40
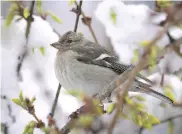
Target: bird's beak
x=55 y=45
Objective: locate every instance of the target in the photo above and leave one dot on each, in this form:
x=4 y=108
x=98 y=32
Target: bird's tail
x=145 y=88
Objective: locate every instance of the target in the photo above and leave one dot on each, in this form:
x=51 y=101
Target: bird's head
x=68 y=40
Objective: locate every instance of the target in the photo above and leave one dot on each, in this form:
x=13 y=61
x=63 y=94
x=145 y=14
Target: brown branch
x=66 y=129
x=162 y=79
x=78 y=15
x=108 y=90
x=35 y=116
x=132 y=75
x=22 y=56
x=123 y=77
x=59 y=86
x=55 y=101
x=88 y=24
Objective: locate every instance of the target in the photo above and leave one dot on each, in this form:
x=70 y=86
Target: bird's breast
x=75 y=75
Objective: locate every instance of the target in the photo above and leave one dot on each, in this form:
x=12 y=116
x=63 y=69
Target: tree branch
x=59 y=86
x=88 y=24
x=78 y=15
x=66 y=129
x=24 y=51
x=132 y=75
x=10 y=113
x=128 y=75
x=55 y=101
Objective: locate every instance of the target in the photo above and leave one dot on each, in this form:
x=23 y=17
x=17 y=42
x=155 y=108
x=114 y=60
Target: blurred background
x=37 y=76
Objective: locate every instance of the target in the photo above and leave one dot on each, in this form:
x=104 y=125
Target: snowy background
x=38 y=78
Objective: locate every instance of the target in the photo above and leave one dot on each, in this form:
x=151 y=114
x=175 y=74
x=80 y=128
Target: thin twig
x=24 y=51
x=66 y=129
x=55 y=101
x=88 y=24
x=4 y=128
x=10 y=113
x=162 y=121
x=35 y=116
x=171 y=118
x=106 y=92
x=162 y=79
x=59 y=86
x=77 y=16
x=132 y=75
x=123 y=77
x=57 y=32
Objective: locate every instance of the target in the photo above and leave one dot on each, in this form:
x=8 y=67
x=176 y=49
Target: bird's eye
x=69 y=41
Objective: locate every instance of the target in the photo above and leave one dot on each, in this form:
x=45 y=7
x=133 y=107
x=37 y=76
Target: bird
x=83 y=65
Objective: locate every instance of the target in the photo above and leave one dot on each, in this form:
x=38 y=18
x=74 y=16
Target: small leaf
x=134 y=117
x=42 y=50
x=168 y=92
x=85 y=120
x=153 y=56
x=17 y=101
x=154 y=51
x=32 y=124
x=13 y=7
x=144 y=43
x=80 y=33
x=26 y=129
x=32 y=100
x=9 y=18
x=73 y=92
x=24 y=105
x=139 y=120
x=153 y=120
x=45 y=130
x=21 y=96
x=87 y=20
x=26 y=12
x=110 y=108
x=30 y=131
x=135 y=56
x=140 y=98
x=54 y=17
x=128 y=100
x=148 y=126
x=164 y=3
x=97 y=106
x=139 y=107
x=113 y=15
x=71 y=2
x=123 y=115
x=39 y=6
x=76 y=93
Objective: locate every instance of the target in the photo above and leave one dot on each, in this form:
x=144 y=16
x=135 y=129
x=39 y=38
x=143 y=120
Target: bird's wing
x=101 y=57
x=97 y=55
